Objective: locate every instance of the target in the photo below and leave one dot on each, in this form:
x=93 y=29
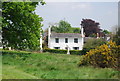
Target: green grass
x=51 y=66
x=11 y=72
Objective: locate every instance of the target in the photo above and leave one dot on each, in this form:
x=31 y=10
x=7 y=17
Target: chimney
x=97 y=35
x=49 y=33
x=82 y=30
x=41 y=42
x=82 y=34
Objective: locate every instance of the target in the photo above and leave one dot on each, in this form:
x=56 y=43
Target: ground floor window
x=66 y=48
x=56 y=47
x=76 y=48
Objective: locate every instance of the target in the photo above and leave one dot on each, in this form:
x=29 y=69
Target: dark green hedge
x=59 y=51
x=24 y=53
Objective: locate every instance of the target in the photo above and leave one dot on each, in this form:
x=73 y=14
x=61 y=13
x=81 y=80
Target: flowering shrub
x=106 y=55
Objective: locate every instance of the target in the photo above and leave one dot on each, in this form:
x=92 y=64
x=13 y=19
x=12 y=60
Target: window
x=56 y=40
x=56 y=47
x=76 y=48
x=66 y=48
x=75 y=40
x=66 y=40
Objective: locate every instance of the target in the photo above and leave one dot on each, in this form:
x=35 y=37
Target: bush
x=106 y=55
x=116 y=37
x=72 y=52
x=92 y=43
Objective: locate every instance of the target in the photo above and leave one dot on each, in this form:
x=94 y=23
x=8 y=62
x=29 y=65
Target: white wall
x=62 y=43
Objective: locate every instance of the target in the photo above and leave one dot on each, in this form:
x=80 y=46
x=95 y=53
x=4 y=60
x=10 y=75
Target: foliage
x=0 y=31
x=45 y=43
x=106 y=55
x=92 y=43
x=64 y=27
x=75 y=30
x=4 y=52
x=50 y=66
x=21 y=26
x=90 y=27
x=106 y=32
x=0 y=23
x=72 y=52
x=116 y=38
x=0 y=16
x=93 y=35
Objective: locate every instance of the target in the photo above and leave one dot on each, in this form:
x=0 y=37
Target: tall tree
x=90 y=27
x=0 y=24
x=0 y=15
x=21 y=26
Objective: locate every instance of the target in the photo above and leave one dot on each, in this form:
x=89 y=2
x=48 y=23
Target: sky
x=106 y=13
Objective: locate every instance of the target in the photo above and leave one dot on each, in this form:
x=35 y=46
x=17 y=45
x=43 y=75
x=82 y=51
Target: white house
x=73 y=41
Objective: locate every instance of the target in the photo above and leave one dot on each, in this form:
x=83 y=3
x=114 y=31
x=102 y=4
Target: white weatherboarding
x=71 y=41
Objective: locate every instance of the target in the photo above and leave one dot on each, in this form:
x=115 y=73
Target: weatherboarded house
x=73 y=41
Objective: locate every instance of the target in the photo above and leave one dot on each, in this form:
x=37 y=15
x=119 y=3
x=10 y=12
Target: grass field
x=51 y=66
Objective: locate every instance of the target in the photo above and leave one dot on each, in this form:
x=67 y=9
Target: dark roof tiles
x=66 y=35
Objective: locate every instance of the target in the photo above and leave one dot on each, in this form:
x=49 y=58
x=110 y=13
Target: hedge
x=21 y=53
x=59 y=51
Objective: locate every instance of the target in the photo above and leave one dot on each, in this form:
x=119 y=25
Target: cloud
x=82 y=6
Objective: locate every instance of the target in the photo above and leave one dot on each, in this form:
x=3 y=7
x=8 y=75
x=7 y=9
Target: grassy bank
x=51 y=66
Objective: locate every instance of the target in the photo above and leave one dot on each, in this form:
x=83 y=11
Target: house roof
x=66 y=35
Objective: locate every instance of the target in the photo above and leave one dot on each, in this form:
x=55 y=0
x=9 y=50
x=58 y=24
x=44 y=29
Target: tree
x=21 y=26
x=0 y=15
x=106 y=32
x=63 y=27
x=90 y=27
x=75 y=30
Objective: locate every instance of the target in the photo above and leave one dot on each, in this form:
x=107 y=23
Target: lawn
x=50 y=66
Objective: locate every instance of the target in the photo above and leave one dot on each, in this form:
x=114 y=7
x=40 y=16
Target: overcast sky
x=106 y=13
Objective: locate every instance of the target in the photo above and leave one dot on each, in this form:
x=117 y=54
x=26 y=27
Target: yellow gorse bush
x=106 y=55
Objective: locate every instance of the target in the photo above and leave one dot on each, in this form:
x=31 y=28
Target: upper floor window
x=56 y=40
x=75 y=40
x=66 y=40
